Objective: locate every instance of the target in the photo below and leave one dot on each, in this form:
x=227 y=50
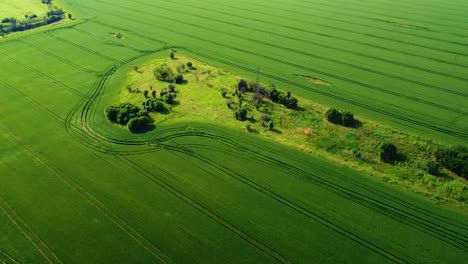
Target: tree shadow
x=356 y=124
x=145 y=129
x=276 y=131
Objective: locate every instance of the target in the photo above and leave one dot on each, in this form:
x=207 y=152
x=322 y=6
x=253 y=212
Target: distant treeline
x=11 y=24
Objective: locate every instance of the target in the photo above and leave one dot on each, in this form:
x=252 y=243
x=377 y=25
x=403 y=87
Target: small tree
x=241 y=114
x=164 y=72
x=179 y=79
x=242 y=85
x=334 y=116
x=153 y=94
x=347 y=119
x=136 y=124
x=189 y=65
x=181 y=68
x=171 y=88
x=223 y=93
x=145 y=93
x=265 y=119
x=70 y=16
x=271 y=125
x=388 y=152
x=274 y=95
x=172 y=55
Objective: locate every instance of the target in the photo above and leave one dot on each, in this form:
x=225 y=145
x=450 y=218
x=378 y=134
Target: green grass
x=77 y=189
x=19 y=8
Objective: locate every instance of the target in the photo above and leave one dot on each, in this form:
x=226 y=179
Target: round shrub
x=179 y=79
x=164 y=72
x=137 y=124
x=241 y=114
x=388 y=152
x=334 y=116
x=347 y=119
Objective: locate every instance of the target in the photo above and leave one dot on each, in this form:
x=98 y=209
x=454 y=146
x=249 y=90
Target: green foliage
x=169 y=98
x=122 y=113
x=454 y=159
x=388 y=153
x=164 y=72
x=155 y=105
x=241 y=114
x=348 y=119
x=334 y=116
x=137 y=124
x=179 y=79
x=285 y=99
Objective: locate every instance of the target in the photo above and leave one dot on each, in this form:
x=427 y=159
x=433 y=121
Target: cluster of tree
x=454 y=159
x=123 y=113
x=285 y=99
x=46 y=2
x=340 y=118
x=166 y=74
x=11 y=24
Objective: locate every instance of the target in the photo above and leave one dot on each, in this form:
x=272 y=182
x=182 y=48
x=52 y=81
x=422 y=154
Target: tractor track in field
x=354 y=32
x=331 y=37
x=7 y=258
x=85 y=49
x=308 y=69
x=92 y=200
x=306 y=41
x=293 y=18
x=369 y=19
x=312 y=55
x=29 y=234
x=53 y=55
x=449 y=236
x=389 y=14
x=48 y=77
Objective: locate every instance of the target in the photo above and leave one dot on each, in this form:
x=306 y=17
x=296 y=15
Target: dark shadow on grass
x=356 y=124
x=145 y=129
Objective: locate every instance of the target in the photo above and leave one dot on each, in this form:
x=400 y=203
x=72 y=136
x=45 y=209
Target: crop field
x=75 y=188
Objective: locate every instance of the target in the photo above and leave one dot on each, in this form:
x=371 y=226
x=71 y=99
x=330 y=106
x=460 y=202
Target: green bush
x=179 y=79
x=164 y=72
x=454 y=159
x=334 y=116
x=137 y=124
x=169 y=98
x=156 y=105
x=241 y=114
x=122 y=113
x=388 y=152
x=347 y=119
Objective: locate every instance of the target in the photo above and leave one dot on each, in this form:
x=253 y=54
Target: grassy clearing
x=200 y=99
x=20 y=8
